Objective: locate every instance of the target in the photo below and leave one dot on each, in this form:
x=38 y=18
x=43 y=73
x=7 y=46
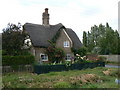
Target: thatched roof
x=40 y=34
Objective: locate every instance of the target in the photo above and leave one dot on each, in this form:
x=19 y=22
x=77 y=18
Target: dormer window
x=66 y=44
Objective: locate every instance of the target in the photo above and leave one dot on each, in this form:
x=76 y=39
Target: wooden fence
x=20 y=68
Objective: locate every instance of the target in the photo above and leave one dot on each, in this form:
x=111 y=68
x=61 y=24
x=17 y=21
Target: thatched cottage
x=40 y=34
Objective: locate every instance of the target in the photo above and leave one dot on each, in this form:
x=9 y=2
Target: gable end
x=68 y=37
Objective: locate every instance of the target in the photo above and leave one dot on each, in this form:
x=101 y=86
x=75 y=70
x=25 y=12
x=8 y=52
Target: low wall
x=112 y=58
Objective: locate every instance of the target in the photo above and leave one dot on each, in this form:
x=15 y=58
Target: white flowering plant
x=80 y=59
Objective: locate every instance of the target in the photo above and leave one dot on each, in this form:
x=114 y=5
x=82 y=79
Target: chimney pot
x=46 y=10
x=45 y=17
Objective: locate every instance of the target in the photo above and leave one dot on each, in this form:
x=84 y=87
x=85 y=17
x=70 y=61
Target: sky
x=79 y=15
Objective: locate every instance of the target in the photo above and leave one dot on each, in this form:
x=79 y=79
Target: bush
x=82 y=51
x=17 y=60
x=55 y=54
x=101 y=58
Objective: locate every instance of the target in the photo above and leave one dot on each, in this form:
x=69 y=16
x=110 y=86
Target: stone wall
x=113 y=58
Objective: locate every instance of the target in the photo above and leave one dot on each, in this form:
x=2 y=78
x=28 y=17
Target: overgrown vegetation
x=99 y=77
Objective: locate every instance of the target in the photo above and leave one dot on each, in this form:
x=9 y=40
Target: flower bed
x=39 y=69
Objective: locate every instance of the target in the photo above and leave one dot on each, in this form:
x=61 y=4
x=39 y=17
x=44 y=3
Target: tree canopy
x=13 y=39
x=102 y=40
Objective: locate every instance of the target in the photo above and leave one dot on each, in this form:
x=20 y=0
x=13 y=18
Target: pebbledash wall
x=113 y=58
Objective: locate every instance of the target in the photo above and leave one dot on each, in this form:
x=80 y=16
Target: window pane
x=66 y=44
x=68 y=57
x=44 y=57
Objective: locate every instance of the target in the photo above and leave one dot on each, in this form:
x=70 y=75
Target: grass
x=112 y=63
x=88 y=78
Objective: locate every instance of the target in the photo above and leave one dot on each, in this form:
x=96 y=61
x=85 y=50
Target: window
x=44 y=57
x=66 y=44
x=34 y=52
x=68 y=57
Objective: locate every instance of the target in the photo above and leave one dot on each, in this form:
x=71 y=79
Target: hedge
x=17 y=60
x=39 y=69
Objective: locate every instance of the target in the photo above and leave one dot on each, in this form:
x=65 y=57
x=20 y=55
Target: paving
x=112 y=66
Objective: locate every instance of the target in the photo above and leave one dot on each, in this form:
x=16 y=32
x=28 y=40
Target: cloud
x=79 y=15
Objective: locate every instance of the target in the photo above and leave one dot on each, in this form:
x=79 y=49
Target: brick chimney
x=45 y=17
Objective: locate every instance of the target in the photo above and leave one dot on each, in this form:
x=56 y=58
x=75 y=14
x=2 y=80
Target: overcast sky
x=79 y=15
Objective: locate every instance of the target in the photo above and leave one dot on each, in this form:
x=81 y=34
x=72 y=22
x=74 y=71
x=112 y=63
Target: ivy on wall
x=55 y=54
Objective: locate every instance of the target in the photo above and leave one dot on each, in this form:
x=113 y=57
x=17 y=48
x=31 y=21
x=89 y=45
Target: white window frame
x=68 y=57
x=34 y=52
x=66 y=44
x=44 y=57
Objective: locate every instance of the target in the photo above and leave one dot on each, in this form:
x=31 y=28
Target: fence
x=20 y=68
x=48 y=68
x=112 y=58
x=39 y=69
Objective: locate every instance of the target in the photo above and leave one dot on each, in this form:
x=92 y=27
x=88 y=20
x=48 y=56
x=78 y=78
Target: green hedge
x=17 y=60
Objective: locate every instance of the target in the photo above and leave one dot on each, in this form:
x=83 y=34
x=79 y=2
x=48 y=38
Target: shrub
x=62 y=85
x=82 y=51
x=55 y=54
x=17 y=60
x=68 y=63
x=101 y=58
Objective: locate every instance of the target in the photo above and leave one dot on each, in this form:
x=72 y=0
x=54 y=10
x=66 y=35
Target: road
x=112 y=66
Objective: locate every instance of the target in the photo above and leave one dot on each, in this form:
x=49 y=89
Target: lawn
x=99 y=77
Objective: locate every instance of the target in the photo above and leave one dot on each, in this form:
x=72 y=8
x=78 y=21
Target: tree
x=85 y=39
x=118 y=46
x=13 y=39
x=109 y=42
x=90 y=42
x=102 y=38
